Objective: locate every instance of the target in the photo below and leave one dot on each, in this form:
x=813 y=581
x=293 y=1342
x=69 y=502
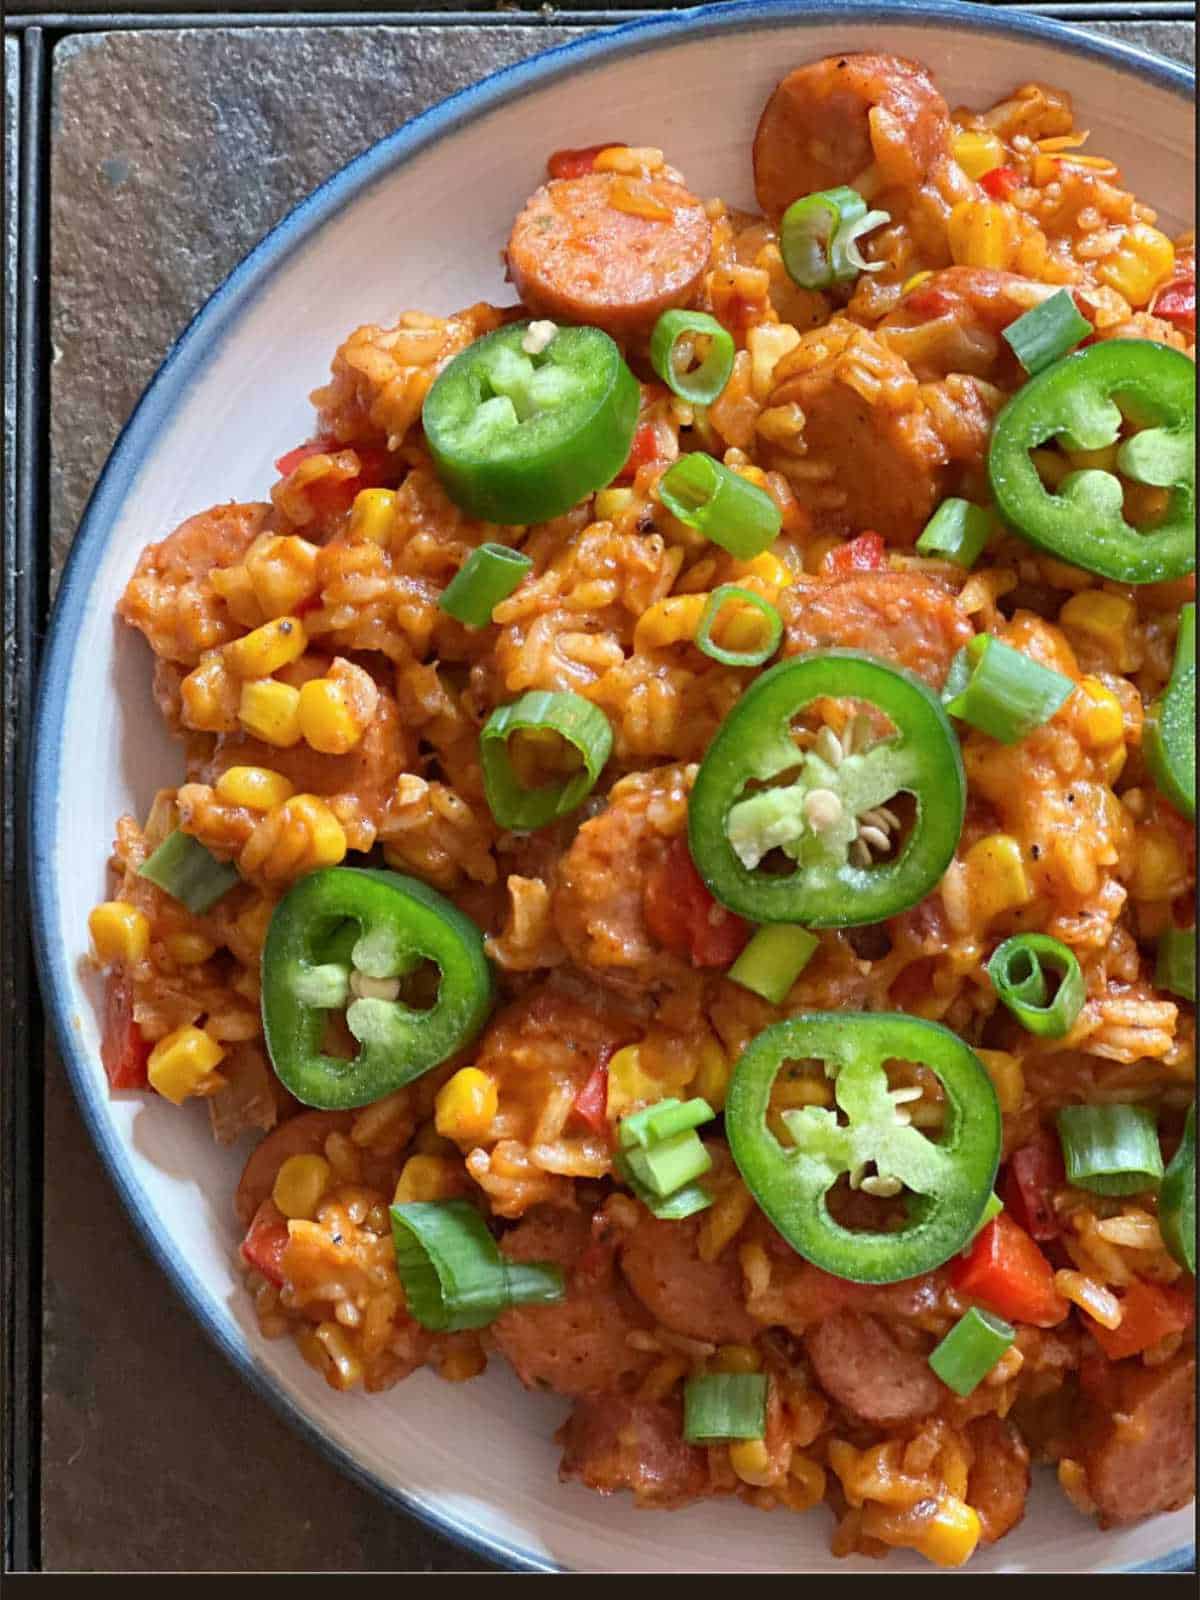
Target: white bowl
x=418 y=222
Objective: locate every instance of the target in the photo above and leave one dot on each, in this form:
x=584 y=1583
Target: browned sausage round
x=578 y=253
x=816 y=132
x=904 y=617
x=1138 y=1441
x=999 y=1477
x=700 y=1299
x=614 y=1442
x=861 y=1366
x=303 y=1135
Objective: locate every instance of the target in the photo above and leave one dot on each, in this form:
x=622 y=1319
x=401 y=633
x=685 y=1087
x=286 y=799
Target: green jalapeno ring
x=948 y=1183
x=1169 y=735
x=1083 y=523
x=401 y=923
x=923 y=759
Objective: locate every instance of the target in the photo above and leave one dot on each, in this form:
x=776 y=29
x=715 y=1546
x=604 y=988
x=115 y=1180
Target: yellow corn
x=183 y=1064
x=737 y=1358
x=670 y=621
x=462 y=1363
x=996 y=876
x=300 y=1185
x=1107 y=620
x=629 y=159
x=751 y=1460
x=712 y=1076
x=188 y=949
x=1007 y=1077
x=234 y=586
x=915 y=282
x=256 y=788
x=1159 y=867
x=270 y=710
x=949 y=1537
x=119 y=932
x=1102 y=721
x=768 y=343
x=637 y=199
x=1144 y=259
x=283 y=573
x=209 y=695
x=610 y=503
x=466 y=1105
x=274 y=645
x=981 y=233
x=372 y=515
x=769 y=568
x=426 y=1178
x=977 y=152
x=326 y=720
x=628 y=1083
x=325 y=840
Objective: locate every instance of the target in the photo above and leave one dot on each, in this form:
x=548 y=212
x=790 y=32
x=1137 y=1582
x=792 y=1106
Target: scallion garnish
x=957 y=531
x=728 y=594
x=661 y=1156
x=1045 y=334
x=1177 y=1198
x=1001 y=691
x=773 y=960
x=576 y=721
x=1110 y=1149
x=971 y=1349
x=663 y=1120
x=1175 y=969
x=724 y=1405
x=725 y=507
x=819 y=234
x=487 y=576
x=1017 y=971
x=453 y=1274
x=701 y=385
x=184 y=869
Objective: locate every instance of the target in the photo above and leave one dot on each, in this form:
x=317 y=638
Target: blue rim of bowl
x=135 y=443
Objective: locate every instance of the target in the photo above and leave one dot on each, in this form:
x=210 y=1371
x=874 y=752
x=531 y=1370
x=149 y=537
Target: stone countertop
x=172 y=152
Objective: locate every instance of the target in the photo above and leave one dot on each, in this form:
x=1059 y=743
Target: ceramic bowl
x=478 y=1460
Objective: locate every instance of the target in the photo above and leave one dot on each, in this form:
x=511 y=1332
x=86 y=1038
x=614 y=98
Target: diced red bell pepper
x=642 y=452
x=591 y=1103
x=1001 y=182
x=329 y=499
x=577 y=163
x=1035 y=1171
x=1177 y=303
x=1149 y=1312
x=685 y=919
x=266 y=1240
x=123 y=1049
x=867 y=553
x=1006 y=1273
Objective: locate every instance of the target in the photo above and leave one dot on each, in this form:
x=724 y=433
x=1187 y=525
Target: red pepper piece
x=867 y=553
x=266 y=1240
x=683 y=916
x=123 y=1050
x=1149 y=1312
x=1177 y=303
x=577 y=163
x=1035 y=1171
x=642 y=452
x=330 y=499
x=591 y=1103
x=1006 y=1273
x=1001 y=182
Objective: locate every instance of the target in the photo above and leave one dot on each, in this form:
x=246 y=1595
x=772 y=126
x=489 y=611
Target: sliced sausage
x=820 y=126
x=609 y=250
x=904 y=617
x=860 y=1365
x=1138 y=1442
x=579 y=1345
x=999 y=1479
x=303 y=1135
x=612 y=1442
x=700 y=1299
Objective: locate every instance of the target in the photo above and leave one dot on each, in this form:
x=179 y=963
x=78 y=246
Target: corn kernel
x=751 y=1460
x=996 y=876
x=119 y=932
x=712 y=1076
x=426 y=1178
x=1159 y=867
x=629 y=159
x=949 y=1537
x=977 y=152
x=270 y=710
x=283 y=573
x=737 y=1358
x=634 y=197
x=1007 y=1077
x=326 y=720
x=183 y=1064
x=610 y=503
x=768 y=343
x=274 y=645
x=301 y=1184
x=256 y=788
x=1106 y=620
x=234 y=586
x=1102 y=720
x=1144 y=259
x=462 y=1363
x=372 y=515
x=981 y=233
x=466 y=1105
x=769 y=568
x=629 y=1085
x=209 y=697
x=670 y=621
x=188 y=949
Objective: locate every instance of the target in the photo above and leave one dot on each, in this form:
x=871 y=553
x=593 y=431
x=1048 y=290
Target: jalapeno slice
x=1076 y=400
x=832 y=817
x=520 y=431
x=347 y=934
x=1169 y=739
x=947 y=1184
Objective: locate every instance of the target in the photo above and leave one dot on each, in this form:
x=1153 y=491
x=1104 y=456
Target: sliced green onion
x=684 y=1202
x=725 y=1405
x=1002 y=692
x=726 y=508
x=1169 y=736
x=453 y=1274
x=487 y=576
x=971 y=1349
x=819 y=234
x=773 y=960
x=581 y=724
x=189 y=873
x=1110 y=1149
x=669 y=1164
x=1017 y=973
x=725 y=595
x=663 y=1120
x=957 y=531
x=1177 y=1199
x=1176 y=966
x=704 y=383
x=1045 y=334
